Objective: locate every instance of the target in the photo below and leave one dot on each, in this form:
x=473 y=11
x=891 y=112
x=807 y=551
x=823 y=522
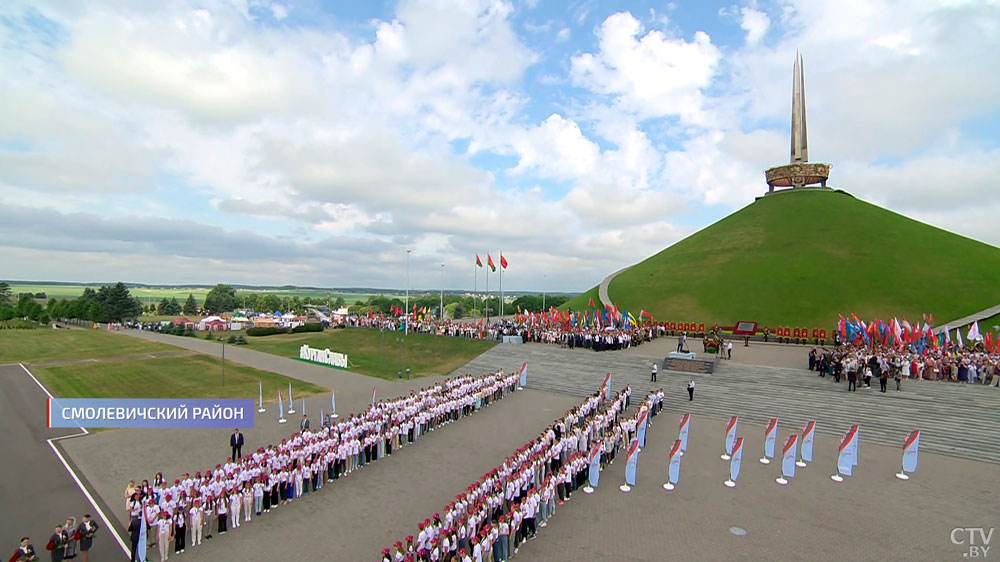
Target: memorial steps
x=954 y=419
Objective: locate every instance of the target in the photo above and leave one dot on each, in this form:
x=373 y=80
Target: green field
x=45 y=344
x=193 y=376
x=377 y=354
x=153 y=295
x=799 y=259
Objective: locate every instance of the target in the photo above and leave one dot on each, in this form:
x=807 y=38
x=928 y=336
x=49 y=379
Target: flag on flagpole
x=503 y=261
x=592 y=305
x=595 y=465
x=684 y=430
x=523 y=378
x=641 y=426
x=736 y=461
x=911 y=449
x=333 y=403
x=260 y=396
x=373 y=397
x=788 y=457
x=731 y=426
x=770 y=435
x=489 y=261
x=479 y=262
x=291 y=405
x=808 y=434
x=631 y=460
x=281 y=409
x=140 y=551
x=958 y=338
x=675 y=462
x=974 y=332
x=845 y=460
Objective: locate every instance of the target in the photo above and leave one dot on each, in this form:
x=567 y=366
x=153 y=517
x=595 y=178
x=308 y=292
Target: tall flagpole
x=475 y=278
x=501 y=283
x=487 y=293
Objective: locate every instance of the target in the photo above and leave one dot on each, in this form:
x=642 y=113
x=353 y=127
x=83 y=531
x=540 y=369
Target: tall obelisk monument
x=799 y=172
x=800 y=142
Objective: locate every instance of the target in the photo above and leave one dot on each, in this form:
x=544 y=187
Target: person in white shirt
x=164 y=534
x=691 y=390
x=197 y=516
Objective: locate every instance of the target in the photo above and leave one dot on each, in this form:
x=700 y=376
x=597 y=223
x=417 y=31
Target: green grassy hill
x=799 y=259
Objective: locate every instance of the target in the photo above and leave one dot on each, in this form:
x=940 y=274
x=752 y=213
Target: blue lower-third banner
x=150 y=412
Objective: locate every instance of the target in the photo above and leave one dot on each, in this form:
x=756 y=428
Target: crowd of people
x=191 y=509
x=69 y=540
x=860 y=364
x=494 y=516
x=596 y=339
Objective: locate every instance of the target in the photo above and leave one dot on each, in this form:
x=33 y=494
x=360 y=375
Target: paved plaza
x=871 y=516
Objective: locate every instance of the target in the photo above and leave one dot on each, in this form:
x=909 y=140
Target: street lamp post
x=441 y=308
x=406 y=313
x=223 y=340
x=543 y=292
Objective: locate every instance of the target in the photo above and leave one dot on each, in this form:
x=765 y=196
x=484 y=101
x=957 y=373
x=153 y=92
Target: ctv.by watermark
x=975 y=541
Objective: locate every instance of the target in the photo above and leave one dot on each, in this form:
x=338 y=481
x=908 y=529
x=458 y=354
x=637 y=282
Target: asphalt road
x=39 y=492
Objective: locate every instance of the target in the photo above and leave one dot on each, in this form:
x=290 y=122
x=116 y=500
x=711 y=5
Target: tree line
x=114 y=303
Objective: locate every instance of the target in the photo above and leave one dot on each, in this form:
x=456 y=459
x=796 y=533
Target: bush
x=309 y=327
x=266 y=331
x=188 y=333
x=18 y=325
x=209 y=335
x=237 y=340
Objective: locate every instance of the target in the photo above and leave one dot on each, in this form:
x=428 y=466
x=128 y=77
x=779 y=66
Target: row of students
x=225 y=496
x=496 y=515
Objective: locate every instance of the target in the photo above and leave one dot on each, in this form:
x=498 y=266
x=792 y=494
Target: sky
x=313 y=143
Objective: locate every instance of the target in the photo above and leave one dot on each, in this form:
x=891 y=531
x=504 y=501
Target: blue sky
x=312 y=143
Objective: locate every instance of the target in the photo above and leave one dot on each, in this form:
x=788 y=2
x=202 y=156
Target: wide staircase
x=958 y=420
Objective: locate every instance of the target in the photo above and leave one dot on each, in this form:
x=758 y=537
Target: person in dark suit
x=236 y=442
x=25 y=552
x=134 y=527
x=56 y=542
x=86 y=530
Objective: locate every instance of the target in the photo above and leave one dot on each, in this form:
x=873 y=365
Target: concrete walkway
x=602 y=290
x=968 y=320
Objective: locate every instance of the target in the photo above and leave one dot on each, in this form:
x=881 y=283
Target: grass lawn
x=193 y=376
x=46 y=344
x=377 y=354
x=582 y=302
x=800 y=259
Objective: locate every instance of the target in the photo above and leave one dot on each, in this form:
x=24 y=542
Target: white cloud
x=428 y=129
x=654 y=75
x=755 y=23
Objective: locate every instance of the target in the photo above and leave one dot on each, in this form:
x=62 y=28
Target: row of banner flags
x=522 y=382
x=594 y=317
x=915 y=337
x=797 y=451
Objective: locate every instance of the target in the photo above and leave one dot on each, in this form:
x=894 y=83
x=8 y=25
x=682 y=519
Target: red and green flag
x=479 y=262
x=489 y=261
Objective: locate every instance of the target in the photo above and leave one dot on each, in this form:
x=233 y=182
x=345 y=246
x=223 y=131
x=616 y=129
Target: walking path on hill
x=602 y=290
x=957 y=420
x=965 y=321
